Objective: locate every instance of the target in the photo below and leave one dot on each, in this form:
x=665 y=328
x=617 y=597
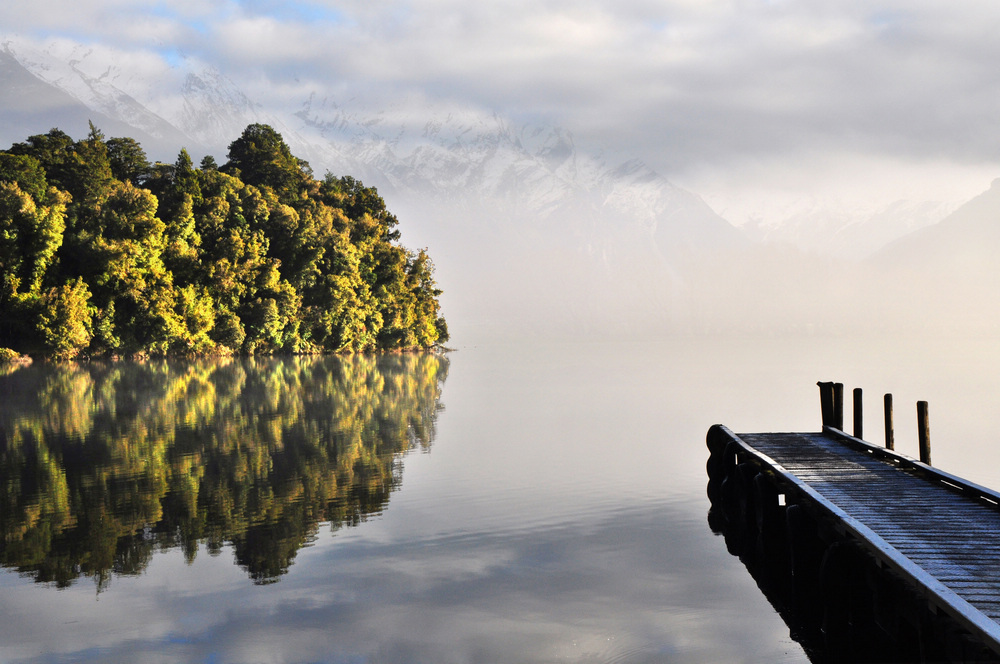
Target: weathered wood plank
x=942 y=525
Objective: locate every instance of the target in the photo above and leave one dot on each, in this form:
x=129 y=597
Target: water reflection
x=103 y=464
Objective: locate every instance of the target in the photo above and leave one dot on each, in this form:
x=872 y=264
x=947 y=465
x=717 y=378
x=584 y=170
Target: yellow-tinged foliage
x=255 y=257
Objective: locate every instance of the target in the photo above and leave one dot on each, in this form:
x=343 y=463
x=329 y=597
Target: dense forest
x=104 y=254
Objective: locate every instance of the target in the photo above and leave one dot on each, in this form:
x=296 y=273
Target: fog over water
x=504 y=282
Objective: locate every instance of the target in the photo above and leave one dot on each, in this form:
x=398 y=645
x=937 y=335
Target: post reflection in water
x=103 y=464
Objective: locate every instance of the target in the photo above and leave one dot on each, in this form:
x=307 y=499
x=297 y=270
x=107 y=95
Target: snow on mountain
x=945 y=275
x=212 y=107
x=833 y=229
x=32 y=105
x=65 y=68
x=527 y=169
x=186 y=104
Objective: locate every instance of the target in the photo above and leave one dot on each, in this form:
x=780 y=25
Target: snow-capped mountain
x=65 y=71
x=965 y=241
x=529 y=171
x=212 y=107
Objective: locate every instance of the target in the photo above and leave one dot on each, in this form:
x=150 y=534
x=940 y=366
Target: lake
x=533 y=502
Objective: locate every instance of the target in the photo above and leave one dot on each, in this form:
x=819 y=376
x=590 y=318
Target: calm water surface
x=540 y=503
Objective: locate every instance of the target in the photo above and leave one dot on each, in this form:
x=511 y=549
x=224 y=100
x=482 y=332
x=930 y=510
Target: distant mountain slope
x=531 y=173
x=967 y=238
x=854 y=234
x=29 y=103
x=32 y=104
x=945 y=276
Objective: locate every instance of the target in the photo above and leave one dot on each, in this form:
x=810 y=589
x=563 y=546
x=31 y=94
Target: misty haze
x=643 y=218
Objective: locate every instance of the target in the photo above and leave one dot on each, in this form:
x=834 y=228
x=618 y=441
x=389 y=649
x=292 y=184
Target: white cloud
x=687 y=85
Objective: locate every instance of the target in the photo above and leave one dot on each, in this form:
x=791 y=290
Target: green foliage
x=103 y=253
x=31 y=231
x=52 y=151
x=26 y=171
x=64 y=320
x=127 y=160
x=261 y=157
x=358 y=201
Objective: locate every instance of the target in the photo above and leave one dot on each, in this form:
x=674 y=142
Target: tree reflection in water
x=102 y=464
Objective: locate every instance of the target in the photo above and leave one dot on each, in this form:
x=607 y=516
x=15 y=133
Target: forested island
x=104 y=254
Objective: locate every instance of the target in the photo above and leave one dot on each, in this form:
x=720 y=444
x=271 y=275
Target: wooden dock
x=880 y=556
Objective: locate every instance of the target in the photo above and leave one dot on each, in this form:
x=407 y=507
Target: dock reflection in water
x=104 y=463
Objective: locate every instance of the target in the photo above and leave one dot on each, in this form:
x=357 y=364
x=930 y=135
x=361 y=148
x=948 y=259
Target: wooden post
x=924 y=432
x=826 y=402
x=838 y=406
x=858 y=414
x=890 y=439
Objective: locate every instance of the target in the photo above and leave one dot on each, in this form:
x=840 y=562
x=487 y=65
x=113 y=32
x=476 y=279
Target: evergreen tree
x=64 y=320
x=128 y=160
x=261 y=157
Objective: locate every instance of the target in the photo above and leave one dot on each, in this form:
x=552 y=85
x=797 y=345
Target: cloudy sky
x=752 y=100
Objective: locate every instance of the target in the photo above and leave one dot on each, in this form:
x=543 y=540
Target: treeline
x=104 y=253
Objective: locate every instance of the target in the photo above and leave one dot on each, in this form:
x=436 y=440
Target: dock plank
x=952 y=536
